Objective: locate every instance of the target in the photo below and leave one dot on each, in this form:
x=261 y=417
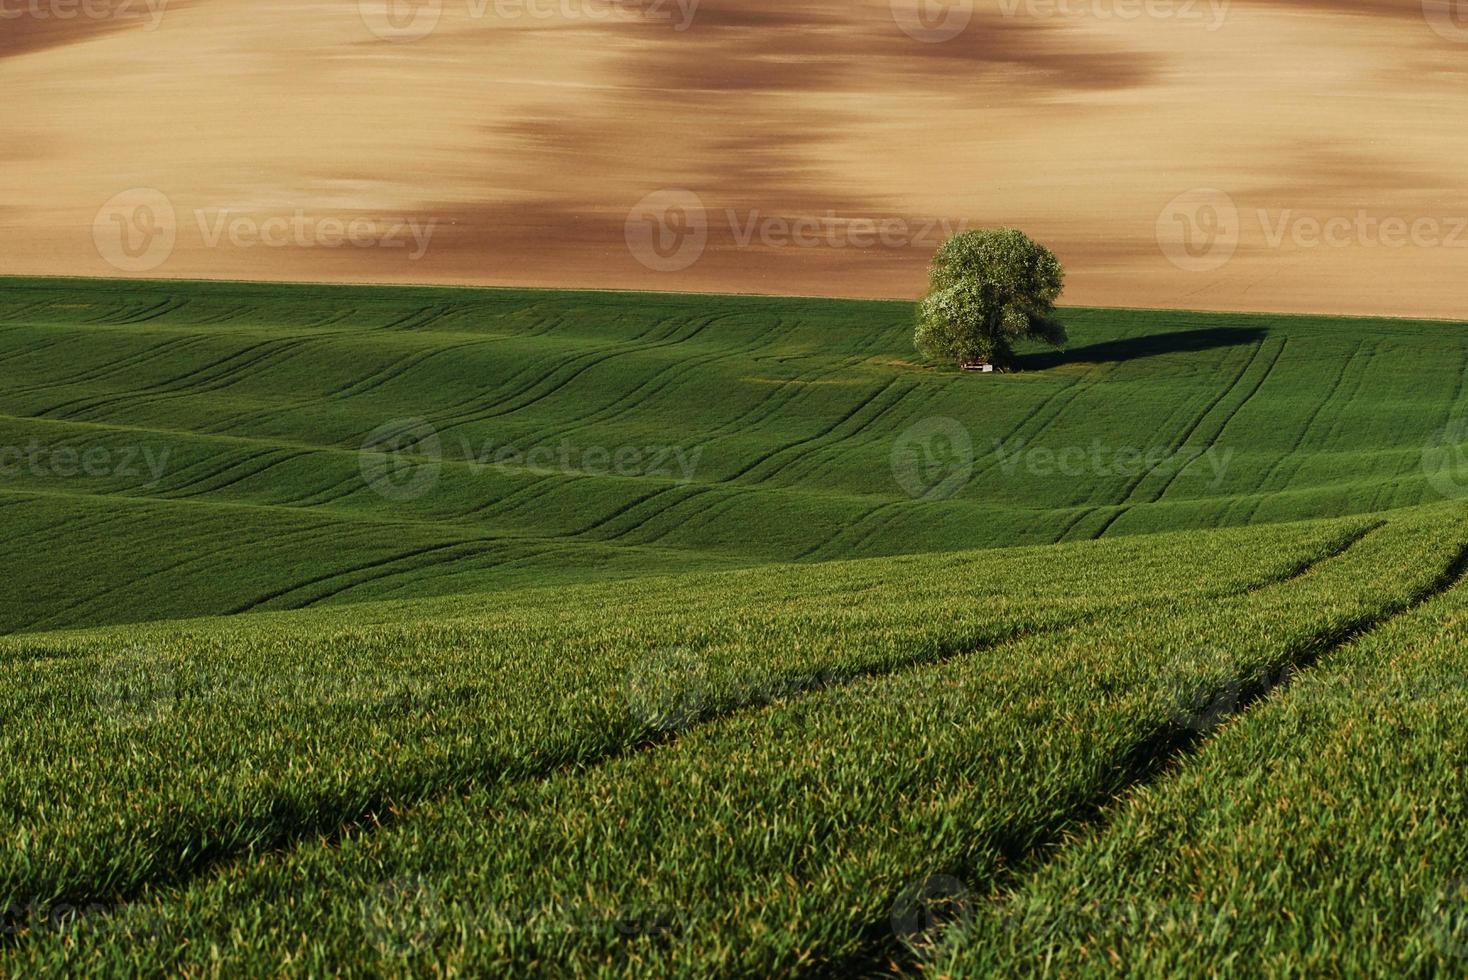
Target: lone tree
x=986 y=290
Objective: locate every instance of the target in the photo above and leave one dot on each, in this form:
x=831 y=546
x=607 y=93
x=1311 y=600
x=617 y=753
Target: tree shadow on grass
x=1133 y=348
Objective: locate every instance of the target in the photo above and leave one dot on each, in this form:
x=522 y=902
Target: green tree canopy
x=987 y=289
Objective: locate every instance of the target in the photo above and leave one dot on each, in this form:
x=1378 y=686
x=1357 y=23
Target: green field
x=401 y=631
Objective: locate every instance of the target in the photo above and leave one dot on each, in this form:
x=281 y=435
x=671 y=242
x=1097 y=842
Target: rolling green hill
x=201 y=445
x=379 y=632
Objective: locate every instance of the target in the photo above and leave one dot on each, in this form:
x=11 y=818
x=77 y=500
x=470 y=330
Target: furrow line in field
x=212 y=471
x=501 y=410
x=226 y=315
x=381 y=808
x=855 y=410
x=1257 y=387
x=656 y=384
x=209 y=372
x=1309 y=422
x=109 y=368
x=286 y=351
x=284 y=591
x=825 y=457
x=168 y=307
x=392 y=370
x=1153 y=759
x=467 y=407
x=460 y=552
x=690 y=492
x=288 y=457
x=848 y=530
x=1178 y=471
x=834 y=439
x=789 y=390
x=1135 y=482
x=203 y=561
x=38 y=347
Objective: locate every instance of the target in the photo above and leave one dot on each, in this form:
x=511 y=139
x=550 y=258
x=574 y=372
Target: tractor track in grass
x=460 y=551
x=788 y=390
x=849 y=530
x=502 y=391
x=213 y=468
x=389 y=373
x=286 y=456
x=1268 y=478
x=827 y=455
x=167 y=307
x=109 y=368
x=1125 y=504
x=408 y=321
x=852 y=413
x=203 y=561
x=1359 y=376
x=700 y=518
x=285 y=591
x=563 y=374
x=656 y=384
x=387 y=805
x=1263 y=379
x=44 y=344
x=208 y=377
x=227 y=315
x=1062 y=398
x=395 y=368
x=1162 y=491
x=832 y=438
x=1150 y=760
